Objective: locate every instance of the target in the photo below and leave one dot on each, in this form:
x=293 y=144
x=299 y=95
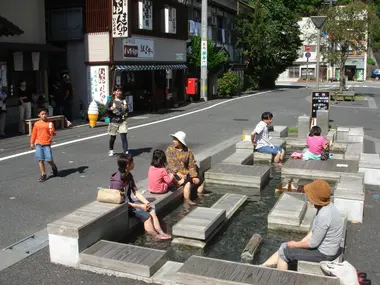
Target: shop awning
x=7 y=28
x=150 y=67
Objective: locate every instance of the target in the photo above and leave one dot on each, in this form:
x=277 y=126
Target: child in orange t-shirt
x=42 y=134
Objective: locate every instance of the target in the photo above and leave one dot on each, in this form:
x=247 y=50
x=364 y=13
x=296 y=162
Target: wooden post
x=251 y=248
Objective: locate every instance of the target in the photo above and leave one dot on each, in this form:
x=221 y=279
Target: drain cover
x=30 y=244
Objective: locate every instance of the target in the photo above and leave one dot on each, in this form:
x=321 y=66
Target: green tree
x=269 y=39
x=350 y=29
x=215 y=57
x=304 y=8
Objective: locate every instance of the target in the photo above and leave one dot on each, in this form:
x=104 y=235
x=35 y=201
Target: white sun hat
x=180 y=136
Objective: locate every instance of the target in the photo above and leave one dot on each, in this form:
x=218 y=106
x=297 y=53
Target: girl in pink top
x=315 y=142
x=159 y=180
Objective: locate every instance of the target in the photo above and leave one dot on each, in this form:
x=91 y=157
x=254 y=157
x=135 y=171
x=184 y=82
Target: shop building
x=24 y=53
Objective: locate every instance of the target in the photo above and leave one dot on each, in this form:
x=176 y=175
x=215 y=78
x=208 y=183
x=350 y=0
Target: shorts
x=189 y=179
x=295 y=254
x=274 y=150
x=118 y=128
x=43 y=153
x=140 y=214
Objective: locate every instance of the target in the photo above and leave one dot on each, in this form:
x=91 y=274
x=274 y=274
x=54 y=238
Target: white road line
x=139 y=126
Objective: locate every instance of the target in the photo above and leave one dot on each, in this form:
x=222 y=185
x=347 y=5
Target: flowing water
x=230 y=241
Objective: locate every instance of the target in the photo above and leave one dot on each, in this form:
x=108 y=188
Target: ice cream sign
x=140 y=48
x=98 y=83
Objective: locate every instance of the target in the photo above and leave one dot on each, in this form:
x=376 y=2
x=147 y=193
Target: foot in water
x=163 y=236
x=191 y=203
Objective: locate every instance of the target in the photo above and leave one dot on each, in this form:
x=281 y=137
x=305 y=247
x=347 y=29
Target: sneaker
x=110 y=153
x=43 y=178
x=55 y=170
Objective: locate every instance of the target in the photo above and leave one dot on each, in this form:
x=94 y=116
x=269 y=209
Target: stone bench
x=369 y=160
x=314 y=268
x=288 y=212
x=350 y=134
x=87 y=225
x=251 y=176
x=124 y=258
x=353 y=151
x=257 y=156
x=240 y=157
x=349 y=196
x=59 y=118
x=216 y=154
x=201 y=225
x=344 y=94
x=209 y=271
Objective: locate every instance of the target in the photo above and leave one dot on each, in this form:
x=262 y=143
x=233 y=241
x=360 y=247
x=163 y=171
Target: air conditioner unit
x=214 y=21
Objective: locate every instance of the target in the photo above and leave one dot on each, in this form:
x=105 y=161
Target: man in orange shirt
x=42 y=134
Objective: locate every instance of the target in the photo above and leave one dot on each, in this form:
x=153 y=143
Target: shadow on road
x=67 y=172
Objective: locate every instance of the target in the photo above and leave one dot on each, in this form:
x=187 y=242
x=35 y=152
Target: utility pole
x=204 y=51
x=318 y=22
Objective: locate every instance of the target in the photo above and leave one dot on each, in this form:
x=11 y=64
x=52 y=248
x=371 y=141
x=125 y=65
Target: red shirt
x=159 y=180
x=41 y=133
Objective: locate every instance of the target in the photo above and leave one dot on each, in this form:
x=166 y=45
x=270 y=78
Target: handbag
x=325 y=155
x=344 y=271
x=111 y=196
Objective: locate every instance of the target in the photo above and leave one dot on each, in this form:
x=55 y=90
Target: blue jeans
x=43 y=153
x=310 y=254
x=274 y=150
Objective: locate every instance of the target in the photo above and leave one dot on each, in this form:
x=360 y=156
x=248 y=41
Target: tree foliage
x=215 y=57
x=269 y=39
x=304 y=8
x=349 y=29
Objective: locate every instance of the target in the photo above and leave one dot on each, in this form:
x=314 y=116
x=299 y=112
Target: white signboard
x=120 y=18
x=145 y=14
x=139 y=48
x=170 y=20
x=204 y=54
x=99 y=83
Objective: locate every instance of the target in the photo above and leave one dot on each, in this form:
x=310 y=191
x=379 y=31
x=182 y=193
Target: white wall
x=78 y=72
x=29 y=16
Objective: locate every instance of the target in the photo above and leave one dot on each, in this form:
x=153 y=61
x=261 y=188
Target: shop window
x=294 y=72
x=146 y=15
x=309 y=71
x=170 y=20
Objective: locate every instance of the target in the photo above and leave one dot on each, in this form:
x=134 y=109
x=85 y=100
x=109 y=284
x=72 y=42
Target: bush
x=229 y=84
x=371 y=61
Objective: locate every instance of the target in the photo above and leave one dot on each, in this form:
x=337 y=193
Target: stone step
x=200 y=223
x=230 y=203
x=353 y=151
x=240 y=157
x=238 y=175
x=288 y=212
x=316 y=169
x=369 y=160
x=209 y=271
x=252 y=193
x=279 y=132
x=124 y=258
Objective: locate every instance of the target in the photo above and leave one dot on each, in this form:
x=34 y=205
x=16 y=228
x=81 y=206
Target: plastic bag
x=346 y=273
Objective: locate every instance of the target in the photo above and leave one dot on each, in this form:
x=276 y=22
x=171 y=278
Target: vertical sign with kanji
x=320 y=100
x=120 y=18
x=145 y=14
x=204 y=54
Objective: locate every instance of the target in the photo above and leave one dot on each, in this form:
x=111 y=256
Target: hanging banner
x=120 y=18
x=170 y=20
x=98 y=83
x=145 y=14
x=36 y=60
x=204 y=54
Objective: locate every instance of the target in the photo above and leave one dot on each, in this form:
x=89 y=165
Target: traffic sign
x=307 y=48
x=308 y=54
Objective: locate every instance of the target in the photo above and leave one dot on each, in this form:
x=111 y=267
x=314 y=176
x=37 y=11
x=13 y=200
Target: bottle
x=51 y=127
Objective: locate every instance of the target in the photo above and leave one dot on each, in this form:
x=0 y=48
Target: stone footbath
x=163 y=259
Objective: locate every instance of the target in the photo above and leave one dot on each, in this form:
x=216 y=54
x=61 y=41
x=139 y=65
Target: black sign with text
x=320 y=100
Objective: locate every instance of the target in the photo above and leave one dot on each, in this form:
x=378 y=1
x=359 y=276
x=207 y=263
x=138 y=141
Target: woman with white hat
x=181 y=162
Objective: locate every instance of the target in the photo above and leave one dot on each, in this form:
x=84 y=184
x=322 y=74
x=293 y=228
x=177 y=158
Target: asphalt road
x=26 y=205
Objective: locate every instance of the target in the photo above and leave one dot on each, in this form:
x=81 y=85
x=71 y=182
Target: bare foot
x=191 y=203
x=163 y=236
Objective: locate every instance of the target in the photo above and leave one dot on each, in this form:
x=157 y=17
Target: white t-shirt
x=262 y=135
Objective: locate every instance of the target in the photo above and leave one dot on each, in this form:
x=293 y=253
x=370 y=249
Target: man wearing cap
x=323 y=241
x=181 y=162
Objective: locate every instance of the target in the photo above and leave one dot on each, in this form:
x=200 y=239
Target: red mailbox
x=192 y=86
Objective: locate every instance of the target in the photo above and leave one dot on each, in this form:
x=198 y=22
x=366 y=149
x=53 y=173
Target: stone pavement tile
x=37 y=270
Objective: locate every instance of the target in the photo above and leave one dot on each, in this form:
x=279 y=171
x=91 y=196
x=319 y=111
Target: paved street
x=26 y=205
